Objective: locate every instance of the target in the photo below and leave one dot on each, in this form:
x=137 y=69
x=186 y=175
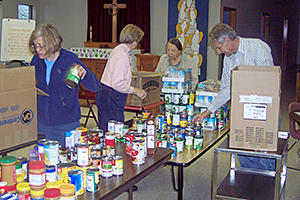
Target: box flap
x=17 y=78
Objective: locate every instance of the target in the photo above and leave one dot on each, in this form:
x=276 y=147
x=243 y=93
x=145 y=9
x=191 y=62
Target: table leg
x=180 y=183
x=179 y=188
x=214 y=175
x=130 y=194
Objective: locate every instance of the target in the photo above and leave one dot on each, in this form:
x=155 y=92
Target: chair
x=87 y=100
x=294 y=118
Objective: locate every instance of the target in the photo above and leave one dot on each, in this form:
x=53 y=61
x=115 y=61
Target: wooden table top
x=114 y=186
x=187 y=157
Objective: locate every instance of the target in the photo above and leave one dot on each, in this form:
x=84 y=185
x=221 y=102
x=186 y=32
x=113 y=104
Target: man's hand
x=201 y=116
x=140 y=93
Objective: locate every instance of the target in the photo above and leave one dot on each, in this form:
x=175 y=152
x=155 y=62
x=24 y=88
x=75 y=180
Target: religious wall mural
x=188 y=22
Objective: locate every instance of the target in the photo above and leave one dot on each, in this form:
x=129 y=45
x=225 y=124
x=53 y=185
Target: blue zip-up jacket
x=62 y=104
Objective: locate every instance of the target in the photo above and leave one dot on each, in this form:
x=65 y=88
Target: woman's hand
x=81 y=70
x=140 y=93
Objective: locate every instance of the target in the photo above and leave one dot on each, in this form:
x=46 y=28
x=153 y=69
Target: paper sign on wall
x=15 y=39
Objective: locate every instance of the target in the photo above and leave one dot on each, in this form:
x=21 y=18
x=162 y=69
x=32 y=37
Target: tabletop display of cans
x=89 y=154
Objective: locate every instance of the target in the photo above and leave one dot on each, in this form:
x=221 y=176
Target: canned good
x=198 y=142
x=51 y=153
x=117 y=165
x=62 y=171
x=83 y=155
x=92 y=179
x=96 y=161
x=84 y=169
x=83 y=135
x=63 y=155
x=168 y=98
x=179 y=144
x=108 y=151
x=129 y=137
x=106 y=167
x=111 y=126
x=110 y=139
x=189 y=141
x=75 y=177
x=51 y=173
x=41 y=149
x=137 y=152
x=72 y=78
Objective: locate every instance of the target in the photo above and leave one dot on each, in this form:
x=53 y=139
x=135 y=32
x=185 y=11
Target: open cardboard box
x=18 y=116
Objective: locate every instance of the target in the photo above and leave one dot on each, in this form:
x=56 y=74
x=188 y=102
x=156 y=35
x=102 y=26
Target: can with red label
x=83 y=155
x=3 y=187
x=110 y=139
x=138 y=152
x=129 y=137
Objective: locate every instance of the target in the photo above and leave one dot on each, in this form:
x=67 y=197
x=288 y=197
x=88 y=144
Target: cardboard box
x=18 y=120
x=148 y=81
x=255 y=107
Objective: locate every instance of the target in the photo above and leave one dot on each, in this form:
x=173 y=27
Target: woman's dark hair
x=176 y=42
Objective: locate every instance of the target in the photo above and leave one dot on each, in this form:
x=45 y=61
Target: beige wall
x=214 y=11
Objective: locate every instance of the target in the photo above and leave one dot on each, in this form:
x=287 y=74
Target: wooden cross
x=114 y=6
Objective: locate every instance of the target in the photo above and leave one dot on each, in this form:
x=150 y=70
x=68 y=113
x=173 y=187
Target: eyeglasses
x=35 y=46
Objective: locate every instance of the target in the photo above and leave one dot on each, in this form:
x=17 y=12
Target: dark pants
x=110 y=105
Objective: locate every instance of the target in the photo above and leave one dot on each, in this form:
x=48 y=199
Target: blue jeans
x=257 y=162
x=57 y=133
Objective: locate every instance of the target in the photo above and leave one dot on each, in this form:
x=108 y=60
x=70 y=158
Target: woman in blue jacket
x=60 y=111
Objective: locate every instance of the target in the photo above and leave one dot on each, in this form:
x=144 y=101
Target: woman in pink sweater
x=116 y=79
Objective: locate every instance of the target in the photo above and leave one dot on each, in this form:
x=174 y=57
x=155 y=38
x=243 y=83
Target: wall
x=214 y=10
x=69 y=16
x=159 y=26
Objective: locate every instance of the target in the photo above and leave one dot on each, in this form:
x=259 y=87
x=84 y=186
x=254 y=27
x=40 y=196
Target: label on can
x=106 y=167
x=138 y=152
x=76 y=178
x=117 y=165
x=72 y=78
x=92 y=179
x=83 y=155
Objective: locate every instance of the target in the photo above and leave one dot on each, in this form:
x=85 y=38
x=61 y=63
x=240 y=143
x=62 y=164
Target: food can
x=183 y=121
x=72 y=155
x=83 y=135
x=111 y=126
x=51 y=173
x=177 y=99
x=24 y=162
x=3 y=187
x=95 y=152
x=179 y=144
x=185 y=99
x=172 y=145
x=140 y=125
x=51 y=152
x=108 y=151
x=119 y=129
x=83 y=155
x=176 y=120
x=72 y=78
x=96 y=161
x=198 y=142
x=110 y=139
x=92 y=179
x=189 y=141
x=129 y=137
x=117 y=165
x=62 y=171
x=76 y=136
x=84 y=169
x=106 y=167
x=41 y=149
x=168 y=98
x=137 y=152
x=63 y=155
x=75 y=177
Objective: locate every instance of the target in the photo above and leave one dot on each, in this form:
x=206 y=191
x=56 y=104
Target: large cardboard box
x=255 y=107
x=148 y=81
x=18 y=120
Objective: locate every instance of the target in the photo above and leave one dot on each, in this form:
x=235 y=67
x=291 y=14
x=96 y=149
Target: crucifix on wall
x=113 y=10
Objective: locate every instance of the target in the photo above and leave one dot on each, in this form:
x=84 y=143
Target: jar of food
x=23 y=191
x=52 y=194
x=55 y=184
x=37 y=175
x=3 y=188
x=37 y=194
x=8 y=172
x=67 y=192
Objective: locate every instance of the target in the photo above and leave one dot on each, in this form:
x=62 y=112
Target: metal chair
x=87 y=100
x=294 y=118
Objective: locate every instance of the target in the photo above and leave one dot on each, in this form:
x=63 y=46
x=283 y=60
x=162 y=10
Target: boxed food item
x=18 y=117
x=177 y=81
x=255 y=107
x=148 y=81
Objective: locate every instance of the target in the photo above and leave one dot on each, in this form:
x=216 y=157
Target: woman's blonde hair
x=131 y=33
x=51 y=36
